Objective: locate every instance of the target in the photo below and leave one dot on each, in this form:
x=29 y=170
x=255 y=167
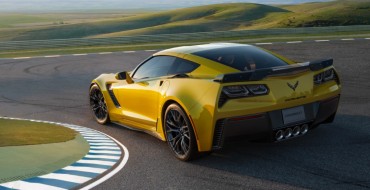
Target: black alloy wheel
x=179 y=133
x=98 y=105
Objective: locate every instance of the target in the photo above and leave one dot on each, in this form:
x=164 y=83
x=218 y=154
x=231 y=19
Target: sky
x=69 y=5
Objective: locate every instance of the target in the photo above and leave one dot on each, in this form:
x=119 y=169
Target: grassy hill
x=219 y=17
x=195 y=19
x=344 y=12
x=202 y=19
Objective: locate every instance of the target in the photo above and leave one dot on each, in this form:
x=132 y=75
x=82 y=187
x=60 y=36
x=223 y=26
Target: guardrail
x=127 y=40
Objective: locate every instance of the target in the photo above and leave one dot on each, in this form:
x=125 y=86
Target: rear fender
x=197 y=98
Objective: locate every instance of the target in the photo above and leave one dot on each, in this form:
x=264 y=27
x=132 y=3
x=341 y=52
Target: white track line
x=22 y=185
x=93 y=135
x=66 y=177
x=367 y=38
x=79 y=54
x=104 y=147
x=96 y=138
x=322 y=40
x=95 y=141
x=22 y=58
x=85 y=169
x=83 y=130
x=51 y=56
x=294 y=42
x=268 y=43
x=102 y=156
x=129 y=51
x=101 y=144
x=104 y=53
x=86 y=132
x=348 y=39
x=114 y=171
x=99 y=162
x=105 y=152
x=150 y=50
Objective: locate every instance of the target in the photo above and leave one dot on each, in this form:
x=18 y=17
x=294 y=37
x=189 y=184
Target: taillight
x=241 y=91
x=325 y=76
x=236 y=91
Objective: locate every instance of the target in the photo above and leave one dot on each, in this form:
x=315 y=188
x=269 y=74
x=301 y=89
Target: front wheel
x=98 y=105
x=179 y=133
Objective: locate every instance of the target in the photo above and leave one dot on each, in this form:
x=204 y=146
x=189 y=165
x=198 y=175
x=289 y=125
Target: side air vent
x=222 y=100
x=218 y=137
x=112 y=96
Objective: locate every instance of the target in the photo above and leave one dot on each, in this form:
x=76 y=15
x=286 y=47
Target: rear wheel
x=98 y=105
x=179 y=133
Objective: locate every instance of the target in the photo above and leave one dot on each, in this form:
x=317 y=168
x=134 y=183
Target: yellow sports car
x=195 y=97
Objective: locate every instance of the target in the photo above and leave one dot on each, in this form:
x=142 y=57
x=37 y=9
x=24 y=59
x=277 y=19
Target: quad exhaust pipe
x=279 y=135
x=290 y=132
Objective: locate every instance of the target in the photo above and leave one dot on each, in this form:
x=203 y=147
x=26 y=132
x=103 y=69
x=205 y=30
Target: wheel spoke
x=93 y=96
x=104 y=107
x=184 y=145
x=178 y=132
x=187 y=136
x=175 y=138
x=99 y=95
x=171 y=124
x=98 y=105
x=170 y=130
x=172 y=117
x=176 y=146
x=101 y=114
x=95 y=107
x=179 y=117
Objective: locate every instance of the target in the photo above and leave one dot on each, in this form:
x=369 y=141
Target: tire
x=179 y=133
x=98 y=105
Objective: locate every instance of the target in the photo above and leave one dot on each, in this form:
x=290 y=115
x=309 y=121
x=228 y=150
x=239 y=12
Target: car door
x=139 y=100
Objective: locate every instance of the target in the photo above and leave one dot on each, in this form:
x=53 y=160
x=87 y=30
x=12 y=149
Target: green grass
x=12 y=20
x=22 y=162
x=17 y=133
x=336 y=13
x=16 y=25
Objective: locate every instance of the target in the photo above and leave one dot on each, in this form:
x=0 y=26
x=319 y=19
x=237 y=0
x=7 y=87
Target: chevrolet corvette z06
x=195 y=97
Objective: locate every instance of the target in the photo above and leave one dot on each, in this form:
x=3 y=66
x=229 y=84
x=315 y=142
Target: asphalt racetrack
x=333 y=156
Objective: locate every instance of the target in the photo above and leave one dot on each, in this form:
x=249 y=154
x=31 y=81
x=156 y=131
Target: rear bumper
x=266 y=125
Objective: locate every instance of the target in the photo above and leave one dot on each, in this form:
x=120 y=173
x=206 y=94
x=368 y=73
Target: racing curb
x=105 y=158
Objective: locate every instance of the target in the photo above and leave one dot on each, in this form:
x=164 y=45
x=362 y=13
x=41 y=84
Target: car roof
x=197 y=48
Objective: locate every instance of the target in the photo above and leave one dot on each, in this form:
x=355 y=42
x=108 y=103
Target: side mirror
x=124 y=76
x=121 y=75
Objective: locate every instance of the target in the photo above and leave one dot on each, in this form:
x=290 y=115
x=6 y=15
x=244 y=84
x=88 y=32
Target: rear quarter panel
x=198 y=98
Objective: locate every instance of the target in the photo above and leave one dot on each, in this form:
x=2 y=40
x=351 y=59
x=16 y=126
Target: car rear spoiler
x=274 y=71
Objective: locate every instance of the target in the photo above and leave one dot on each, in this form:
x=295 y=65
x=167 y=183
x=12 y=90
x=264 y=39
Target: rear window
x=243 y=58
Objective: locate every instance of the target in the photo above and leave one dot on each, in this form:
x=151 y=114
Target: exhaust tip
x=304 y=129
x=279 y=135
x=288 y=133
x=296 y=131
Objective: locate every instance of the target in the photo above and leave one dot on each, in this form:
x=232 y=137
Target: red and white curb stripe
x=105 y=158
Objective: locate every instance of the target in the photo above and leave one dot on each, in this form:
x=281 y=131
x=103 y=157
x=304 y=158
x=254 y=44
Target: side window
x=183 y=66
x=155 y=67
